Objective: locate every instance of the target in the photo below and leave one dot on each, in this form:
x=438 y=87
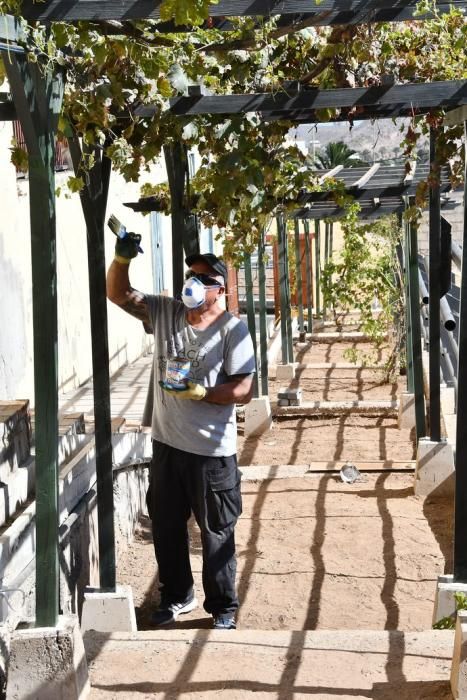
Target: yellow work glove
x=193 y=391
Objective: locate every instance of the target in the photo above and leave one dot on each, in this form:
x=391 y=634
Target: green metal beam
x=38 y=94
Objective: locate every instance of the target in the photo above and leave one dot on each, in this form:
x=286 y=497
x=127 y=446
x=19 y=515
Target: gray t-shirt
x=216 y=353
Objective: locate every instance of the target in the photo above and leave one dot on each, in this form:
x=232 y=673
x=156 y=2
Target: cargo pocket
x=224 y=499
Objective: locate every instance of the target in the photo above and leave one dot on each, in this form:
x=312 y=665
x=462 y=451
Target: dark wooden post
x=38 y=93
x=460 y=515
x=434 y=304
x=185 y=239
x=94 y=203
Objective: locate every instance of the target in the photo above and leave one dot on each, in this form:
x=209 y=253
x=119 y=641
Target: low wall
x=78 y=535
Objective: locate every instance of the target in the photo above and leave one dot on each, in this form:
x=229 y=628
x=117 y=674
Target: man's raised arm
x=119 y=290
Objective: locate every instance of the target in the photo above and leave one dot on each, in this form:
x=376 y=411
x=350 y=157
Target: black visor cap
x=212 y=260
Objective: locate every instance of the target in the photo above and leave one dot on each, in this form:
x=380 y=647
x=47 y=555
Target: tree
x=338 y=153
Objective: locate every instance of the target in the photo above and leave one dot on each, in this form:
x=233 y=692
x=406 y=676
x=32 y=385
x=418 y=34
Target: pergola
x=36 y=102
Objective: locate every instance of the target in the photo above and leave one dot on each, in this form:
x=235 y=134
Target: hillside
x=375 y=141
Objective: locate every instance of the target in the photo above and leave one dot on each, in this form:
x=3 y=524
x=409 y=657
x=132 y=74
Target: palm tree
x=338 y=153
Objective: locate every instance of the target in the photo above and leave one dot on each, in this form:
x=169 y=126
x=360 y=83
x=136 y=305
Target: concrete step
x=325 y=664
x=15 y=436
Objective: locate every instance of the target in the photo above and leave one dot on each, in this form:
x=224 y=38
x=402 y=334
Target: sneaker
x=224 y=621
x=167 y=613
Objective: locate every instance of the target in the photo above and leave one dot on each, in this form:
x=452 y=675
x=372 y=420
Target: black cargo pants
x=182 y=483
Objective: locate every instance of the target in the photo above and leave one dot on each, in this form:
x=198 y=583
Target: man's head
x=212 y=272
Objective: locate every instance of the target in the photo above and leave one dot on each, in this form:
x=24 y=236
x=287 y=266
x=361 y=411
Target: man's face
x=214 y=292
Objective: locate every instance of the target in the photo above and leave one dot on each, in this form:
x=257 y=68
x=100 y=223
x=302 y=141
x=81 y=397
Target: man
x=194 y=466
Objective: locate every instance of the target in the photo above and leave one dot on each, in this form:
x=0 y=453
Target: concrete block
x=445 y=604
x=434 y=473
x=287 y=393
x=286 y=372
x=406 y=417
x=450 y=424
x=258 y=416
x=17 y=489
x=48 y=663
x=448 y=400
x=459 y=658
x=105 y=611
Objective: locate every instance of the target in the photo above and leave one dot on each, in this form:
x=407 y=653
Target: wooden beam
x=410 y=96
x=73 y=10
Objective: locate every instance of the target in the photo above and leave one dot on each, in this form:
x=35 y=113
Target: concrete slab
x=108 y=611
x=459 y=658
x=406 y=417
x=445 y=604
x=286 y=372
x=314 y=408
x=435 y=473
x=258 y=416
x=204 y=664
x=48 y=663
x=287 y=471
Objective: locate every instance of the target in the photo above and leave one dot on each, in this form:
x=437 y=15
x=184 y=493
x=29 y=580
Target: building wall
x=127 y=339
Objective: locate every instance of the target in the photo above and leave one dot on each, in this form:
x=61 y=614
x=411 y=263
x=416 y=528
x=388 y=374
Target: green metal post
x=38 y=93
x=94 y=201
x=317 y=265
x=408 y=314
x=298 y=277
x=250 y=311
x=263 y=331
x=288 y=297
x=416 y=334
x=282 y=287
x=309 y=277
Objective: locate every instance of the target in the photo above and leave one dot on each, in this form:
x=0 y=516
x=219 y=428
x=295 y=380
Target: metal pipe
x=448 y=319
x=423 y=289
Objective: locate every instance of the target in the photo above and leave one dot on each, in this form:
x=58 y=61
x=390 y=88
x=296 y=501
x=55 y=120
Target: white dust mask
x=193 y=293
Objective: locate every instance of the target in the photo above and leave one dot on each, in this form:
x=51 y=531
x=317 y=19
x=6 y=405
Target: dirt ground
x=315 y=553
